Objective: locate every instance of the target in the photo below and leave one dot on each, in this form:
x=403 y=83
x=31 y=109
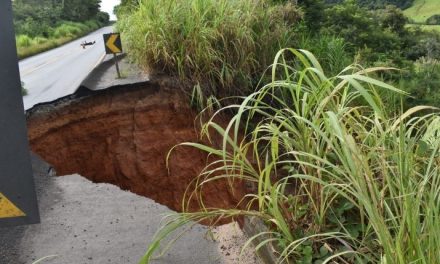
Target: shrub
x=61 y=31
x=337 y=179
x=23 y=90
x=331 y=51
x=69 y=29
x=433 y=20
x=92 y=24
x=40 y=40
x=423 y=83
x=24 y=41
x=362 y=28
x=222 y=45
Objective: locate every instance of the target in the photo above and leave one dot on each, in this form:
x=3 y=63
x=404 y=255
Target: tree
x=125 y=7
x=314 y=13
x=39 y=17
x=433 y=20
x=392 y=18
x=80 y=10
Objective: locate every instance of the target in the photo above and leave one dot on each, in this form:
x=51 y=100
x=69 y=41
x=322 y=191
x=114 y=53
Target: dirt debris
x=231 y=241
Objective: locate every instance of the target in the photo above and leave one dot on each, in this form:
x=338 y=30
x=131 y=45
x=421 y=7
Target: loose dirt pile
x=122 y=136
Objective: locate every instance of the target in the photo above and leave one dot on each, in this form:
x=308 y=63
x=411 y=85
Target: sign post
x=113 y=46
x=18 y=202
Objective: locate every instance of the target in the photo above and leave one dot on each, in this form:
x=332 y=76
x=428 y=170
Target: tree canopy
x=36 y=17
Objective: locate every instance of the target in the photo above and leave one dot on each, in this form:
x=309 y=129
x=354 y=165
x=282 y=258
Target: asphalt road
x=59 y=72
x=88 y=223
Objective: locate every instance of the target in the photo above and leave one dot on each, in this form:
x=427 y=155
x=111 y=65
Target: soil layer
x=122 y=136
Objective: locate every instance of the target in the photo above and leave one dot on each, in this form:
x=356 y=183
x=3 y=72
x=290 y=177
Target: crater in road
x=122 y=136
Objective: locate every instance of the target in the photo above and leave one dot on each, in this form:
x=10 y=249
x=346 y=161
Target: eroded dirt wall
x=122 y=136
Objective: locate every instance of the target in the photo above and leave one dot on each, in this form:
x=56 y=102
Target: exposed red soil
x=122 y=136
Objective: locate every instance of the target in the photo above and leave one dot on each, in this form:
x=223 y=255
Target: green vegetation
x=336 y=177
x=421 y=10
x=427 y=28
x=424 y=83
x=23 y=90
x=433 y=20
x=65 y=32
x=221 y=45
x=431 y=27
x=42 y=25
x=238 y=38
x=375 y=4
x=344 y=165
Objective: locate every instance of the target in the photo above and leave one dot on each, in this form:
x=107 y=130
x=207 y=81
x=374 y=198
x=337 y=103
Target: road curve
x=59 y=72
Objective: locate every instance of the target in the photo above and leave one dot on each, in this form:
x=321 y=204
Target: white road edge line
x=100 y=60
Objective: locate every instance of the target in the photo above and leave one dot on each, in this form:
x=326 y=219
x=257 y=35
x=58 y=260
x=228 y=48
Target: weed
x=24 y=41
x=23 y=90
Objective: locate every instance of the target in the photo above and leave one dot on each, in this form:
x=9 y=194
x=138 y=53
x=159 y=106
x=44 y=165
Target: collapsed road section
x=122 y=136
x=97 y=223
x=119 y=137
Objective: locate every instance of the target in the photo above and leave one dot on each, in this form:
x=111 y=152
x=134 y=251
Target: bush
x=23 y=90
x=24 y=41
x=379 y=30
x=330 y=50
x=423 y=83
x=33 y=28
x=92 y=24
x=69 y=29
x=222 y=45
x=40 y=40
x=433 y=20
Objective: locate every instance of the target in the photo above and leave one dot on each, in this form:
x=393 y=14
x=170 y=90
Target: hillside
x=422 y=10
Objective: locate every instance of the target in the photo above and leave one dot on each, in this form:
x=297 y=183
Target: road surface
x=59 y=72
x=87 y=223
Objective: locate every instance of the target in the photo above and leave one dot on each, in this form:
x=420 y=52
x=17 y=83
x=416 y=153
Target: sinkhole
x=122 y=136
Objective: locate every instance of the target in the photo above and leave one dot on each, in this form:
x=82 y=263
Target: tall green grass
x=23 y=41
x=330 y=50
x=221 y=45
x=337 y=178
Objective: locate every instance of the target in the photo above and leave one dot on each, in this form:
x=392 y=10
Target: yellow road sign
x=8 y=209
x=112 y=43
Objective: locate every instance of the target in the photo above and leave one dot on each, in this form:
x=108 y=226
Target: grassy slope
x=422 y=10
x=24 y=52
